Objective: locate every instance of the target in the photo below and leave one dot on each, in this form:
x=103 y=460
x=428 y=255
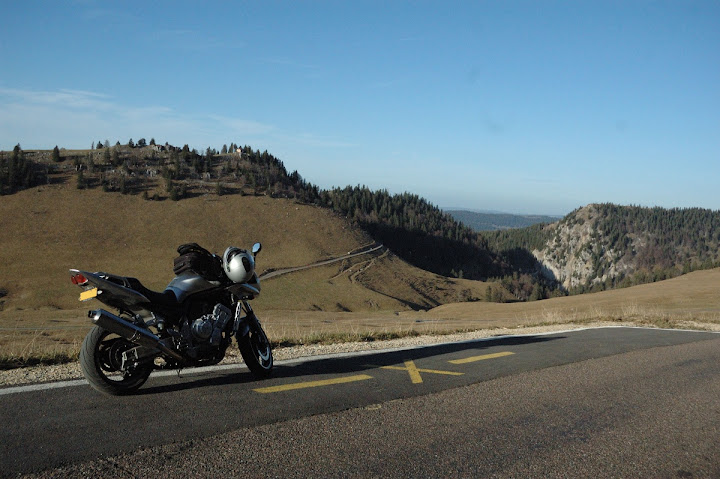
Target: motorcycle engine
x=209 y=327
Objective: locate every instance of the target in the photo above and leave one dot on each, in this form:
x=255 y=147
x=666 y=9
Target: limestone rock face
x=578 y=253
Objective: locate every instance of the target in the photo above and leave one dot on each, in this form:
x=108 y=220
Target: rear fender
x=114 y=294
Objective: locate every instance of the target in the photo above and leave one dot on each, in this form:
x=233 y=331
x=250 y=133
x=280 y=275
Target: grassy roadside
x=36 y=352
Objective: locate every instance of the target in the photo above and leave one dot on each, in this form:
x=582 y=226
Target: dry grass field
x=691 y=301
x=45 y=231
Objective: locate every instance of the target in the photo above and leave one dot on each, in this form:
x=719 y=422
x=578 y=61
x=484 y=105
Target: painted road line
x=472 y=359
x=312 y=384
x=414 y=371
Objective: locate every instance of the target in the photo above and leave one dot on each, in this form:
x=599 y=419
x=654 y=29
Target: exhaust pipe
x=131 y=332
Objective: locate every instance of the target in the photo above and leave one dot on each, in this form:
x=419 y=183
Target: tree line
x=416 y=230
x=17 y=172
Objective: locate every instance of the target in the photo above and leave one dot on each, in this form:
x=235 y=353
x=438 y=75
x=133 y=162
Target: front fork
x=242 y=323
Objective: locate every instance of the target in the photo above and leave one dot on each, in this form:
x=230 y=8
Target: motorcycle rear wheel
x=101 y=359
x=256 y=352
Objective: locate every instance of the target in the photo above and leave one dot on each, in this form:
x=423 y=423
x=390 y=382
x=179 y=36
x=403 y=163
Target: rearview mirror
x=256 y=248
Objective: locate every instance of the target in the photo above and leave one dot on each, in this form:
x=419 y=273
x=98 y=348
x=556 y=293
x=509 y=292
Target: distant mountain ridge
x=486 y=221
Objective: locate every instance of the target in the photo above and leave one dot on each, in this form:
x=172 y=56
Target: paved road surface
x=603 y=402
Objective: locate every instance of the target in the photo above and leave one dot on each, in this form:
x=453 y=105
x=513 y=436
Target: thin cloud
x=73 y=118
x=77 y=99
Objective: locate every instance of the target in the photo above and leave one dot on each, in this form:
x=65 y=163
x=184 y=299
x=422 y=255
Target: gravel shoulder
x=69 y=371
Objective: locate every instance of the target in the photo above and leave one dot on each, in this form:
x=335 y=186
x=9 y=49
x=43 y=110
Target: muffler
x=131 y=332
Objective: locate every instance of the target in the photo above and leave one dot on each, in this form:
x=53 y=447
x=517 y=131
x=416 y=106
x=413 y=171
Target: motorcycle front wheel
x=256 y=352
x=101 y=361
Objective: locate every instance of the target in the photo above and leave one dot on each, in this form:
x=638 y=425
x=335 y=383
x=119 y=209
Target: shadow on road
x=342 y=365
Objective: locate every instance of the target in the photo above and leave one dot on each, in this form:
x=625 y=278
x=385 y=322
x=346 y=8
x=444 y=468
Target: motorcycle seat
x=165 y=299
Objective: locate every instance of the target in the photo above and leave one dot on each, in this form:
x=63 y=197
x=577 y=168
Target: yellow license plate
x=89 y=294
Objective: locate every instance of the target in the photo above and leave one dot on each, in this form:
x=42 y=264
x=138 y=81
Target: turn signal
x=78 y=279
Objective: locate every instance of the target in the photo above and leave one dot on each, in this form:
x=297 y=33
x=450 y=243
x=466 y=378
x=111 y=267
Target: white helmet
x=239 y=265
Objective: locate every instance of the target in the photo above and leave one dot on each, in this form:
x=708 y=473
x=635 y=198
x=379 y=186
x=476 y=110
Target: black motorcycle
x=191 y=323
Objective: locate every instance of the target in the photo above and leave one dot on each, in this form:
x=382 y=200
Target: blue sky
x=523 y=107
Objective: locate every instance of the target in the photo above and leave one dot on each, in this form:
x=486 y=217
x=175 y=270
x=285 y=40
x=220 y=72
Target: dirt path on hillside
x=277 y=272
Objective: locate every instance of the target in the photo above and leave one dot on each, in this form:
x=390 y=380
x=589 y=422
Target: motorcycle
x=191 y=323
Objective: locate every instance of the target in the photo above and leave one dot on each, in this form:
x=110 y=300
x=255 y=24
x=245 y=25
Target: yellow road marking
x=414 y=371
x=312 y=384
x=472 y=359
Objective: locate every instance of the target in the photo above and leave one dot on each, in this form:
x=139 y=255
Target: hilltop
x=603 y=246
x=412 y=228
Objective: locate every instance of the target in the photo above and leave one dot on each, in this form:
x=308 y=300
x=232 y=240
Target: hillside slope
x=688 y=301
x=47 y=230
x=411 y=227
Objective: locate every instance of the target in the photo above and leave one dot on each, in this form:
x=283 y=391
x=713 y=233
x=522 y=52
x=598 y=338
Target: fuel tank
x=189 y=283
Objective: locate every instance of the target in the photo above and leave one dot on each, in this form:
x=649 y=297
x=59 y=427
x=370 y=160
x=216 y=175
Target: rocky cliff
x=606 y=244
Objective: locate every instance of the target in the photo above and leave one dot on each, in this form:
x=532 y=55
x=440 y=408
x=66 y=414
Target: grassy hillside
x=409 y=225
x=47 y=230
x=689 y=301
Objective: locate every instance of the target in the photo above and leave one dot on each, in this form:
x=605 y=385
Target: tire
x=100 y=361
x=256 y=352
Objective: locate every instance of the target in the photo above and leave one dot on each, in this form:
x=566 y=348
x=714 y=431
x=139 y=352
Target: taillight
x=78 y=279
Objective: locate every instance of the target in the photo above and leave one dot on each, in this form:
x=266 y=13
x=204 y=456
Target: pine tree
x=115 y=157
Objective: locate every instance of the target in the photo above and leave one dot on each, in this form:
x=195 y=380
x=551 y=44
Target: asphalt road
x=602 y=402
